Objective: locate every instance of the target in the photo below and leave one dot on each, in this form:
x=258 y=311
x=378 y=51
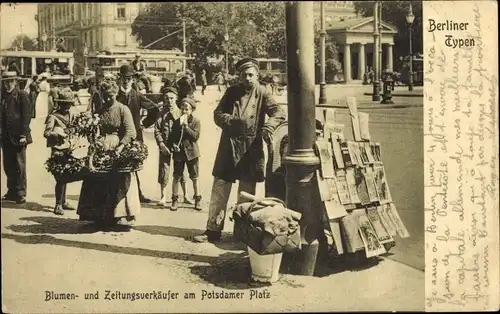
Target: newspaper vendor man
x=241 y=116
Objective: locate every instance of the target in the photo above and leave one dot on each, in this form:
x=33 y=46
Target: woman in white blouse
x=42 y=101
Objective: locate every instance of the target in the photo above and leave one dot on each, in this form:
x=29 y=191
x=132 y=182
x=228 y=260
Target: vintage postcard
x=342 y=187
x=370 y=184
x=373 y=247
x=382 y=187
x=369 y=154
x=382 y=233
x=337 y=152
x=364 y=125
x=326 y=156
x=352 y=186
x=137 y=139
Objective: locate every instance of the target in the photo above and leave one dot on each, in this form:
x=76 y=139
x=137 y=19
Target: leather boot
x=175 y=202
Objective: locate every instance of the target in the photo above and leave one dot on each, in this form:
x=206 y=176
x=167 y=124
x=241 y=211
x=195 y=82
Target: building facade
x=353 y=35
x=354 y=38
x=88 y=26
x=335 y=11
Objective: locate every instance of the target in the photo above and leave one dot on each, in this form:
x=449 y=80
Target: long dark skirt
x=105 y=199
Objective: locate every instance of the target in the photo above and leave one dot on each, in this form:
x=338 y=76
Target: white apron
x=42 y=101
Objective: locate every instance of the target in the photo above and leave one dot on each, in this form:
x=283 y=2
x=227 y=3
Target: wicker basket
x=261 y=241
x=116 y=170
x=71 y=177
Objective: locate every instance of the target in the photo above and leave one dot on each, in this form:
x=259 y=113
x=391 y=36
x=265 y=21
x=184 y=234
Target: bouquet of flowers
x=64 y=164
x=133 y=155
x=85 y=125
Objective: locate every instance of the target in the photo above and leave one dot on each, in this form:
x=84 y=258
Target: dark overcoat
x=240 y=155
x=135 y=101
x=15 y=116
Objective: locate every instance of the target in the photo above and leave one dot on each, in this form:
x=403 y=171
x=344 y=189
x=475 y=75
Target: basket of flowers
x=66 y=168
x=64 y=165
x=131 y=159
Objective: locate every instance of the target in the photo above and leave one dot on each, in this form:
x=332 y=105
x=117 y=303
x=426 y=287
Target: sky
x=11 y=19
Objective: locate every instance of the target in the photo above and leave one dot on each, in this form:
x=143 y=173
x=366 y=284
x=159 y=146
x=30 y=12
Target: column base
x=322 y=93
x=302 y=195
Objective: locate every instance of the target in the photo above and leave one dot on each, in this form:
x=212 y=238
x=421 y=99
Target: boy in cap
x=57 y=139
x=183 y=143
x=162 y=130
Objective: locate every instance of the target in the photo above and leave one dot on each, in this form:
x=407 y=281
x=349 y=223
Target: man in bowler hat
x=241 y=115
x=136 y=101
x=15 y=133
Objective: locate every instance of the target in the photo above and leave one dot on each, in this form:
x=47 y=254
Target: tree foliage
x=255 y=29
x=395 y=12
x=252 y=28
x=23 y=42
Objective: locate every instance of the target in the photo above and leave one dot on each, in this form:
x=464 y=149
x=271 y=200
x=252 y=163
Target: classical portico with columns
x=354 y=38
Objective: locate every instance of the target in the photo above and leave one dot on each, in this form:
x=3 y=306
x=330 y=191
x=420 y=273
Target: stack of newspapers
x=358 y=210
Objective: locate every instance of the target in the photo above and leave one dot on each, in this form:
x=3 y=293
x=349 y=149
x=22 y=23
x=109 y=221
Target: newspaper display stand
x=358 y=210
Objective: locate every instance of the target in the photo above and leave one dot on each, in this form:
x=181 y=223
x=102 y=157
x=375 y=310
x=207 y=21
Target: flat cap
x=189 y=100
x=169 y=89
x=245 y=63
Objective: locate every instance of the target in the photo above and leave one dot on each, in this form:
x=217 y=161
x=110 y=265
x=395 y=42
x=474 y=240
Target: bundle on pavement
x=267 y=226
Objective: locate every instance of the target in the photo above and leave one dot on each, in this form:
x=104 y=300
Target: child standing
x=57 y=139
x=183 y=144
x=162 y=130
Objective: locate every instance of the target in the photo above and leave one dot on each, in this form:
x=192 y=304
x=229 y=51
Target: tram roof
x=270 y=60
x=131 y=53
x=37 y=54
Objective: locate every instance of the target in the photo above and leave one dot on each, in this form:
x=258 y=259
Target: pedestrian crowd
x=114 y=199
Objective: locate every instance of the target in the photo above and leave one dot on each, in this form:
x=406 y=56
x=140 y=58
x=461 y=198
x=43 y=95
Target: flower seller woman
x=56 y=126
x=111 y=199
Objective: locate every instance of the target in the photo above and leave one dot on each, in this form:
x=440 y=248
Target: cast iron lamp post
x=322 y=34
x=376 y=59
x=410 y=18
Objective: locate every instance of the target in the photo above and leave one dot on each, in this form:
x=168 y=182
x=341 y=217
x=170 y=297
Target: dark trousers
x=203 y=88
x=60 y=193
x=14 y=165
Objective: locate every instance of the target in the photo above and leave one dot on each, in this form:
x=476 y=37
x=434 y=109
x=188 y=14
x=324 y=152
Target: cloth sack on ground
x=277 y=220
x=270 y=215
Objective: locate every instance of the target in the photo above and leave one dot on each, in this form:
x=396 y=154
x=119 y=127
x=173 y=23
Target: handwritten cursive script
x=461 y=162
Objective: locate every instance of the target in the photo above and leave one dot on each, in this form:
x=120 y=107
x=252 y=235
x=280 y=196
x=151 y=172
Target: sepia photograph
x=160 y=157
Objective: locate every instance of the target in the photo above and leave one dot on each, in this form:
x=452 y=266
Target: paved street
x=42 y=251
